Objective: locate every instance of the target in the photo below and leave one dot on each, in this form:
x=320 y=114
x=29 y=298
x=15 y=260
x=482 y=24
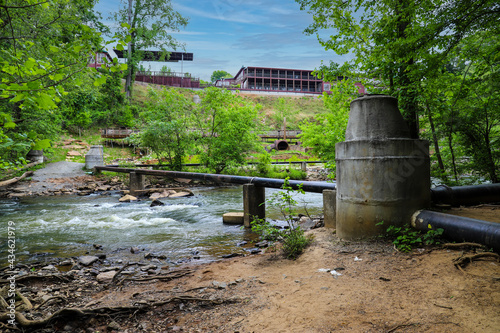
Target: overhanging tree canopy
x=147 y=25
x=399 y=42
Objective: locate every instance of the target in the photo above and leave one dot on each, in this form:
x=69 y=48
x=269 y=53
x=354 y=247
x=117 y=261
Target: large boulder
x=127 y=198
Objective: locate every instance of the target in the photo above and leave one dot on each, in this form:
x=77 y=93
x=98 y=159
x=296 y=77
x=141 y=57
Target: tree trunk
x=450 y=145
x=408 y=95
x=436 y=143
x=492 y=170
x=128 y=81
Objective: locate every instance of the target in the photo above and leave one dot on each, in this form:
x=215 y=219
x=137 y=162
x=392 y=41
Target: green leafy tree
x=146 y=25
x=329 y=128
x=461 y=102
x=219 y=74
x=478 y=121
x=293 y=239
x=399 y=43
x=226 y=124
x=166 y=69
x=283 y=113
x=44 y=47
x=166 y=131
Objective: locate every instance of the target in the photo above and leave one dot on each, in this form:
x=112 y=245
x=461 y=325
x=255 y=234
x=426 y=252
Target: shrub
x=292 y=238
x=405 y=238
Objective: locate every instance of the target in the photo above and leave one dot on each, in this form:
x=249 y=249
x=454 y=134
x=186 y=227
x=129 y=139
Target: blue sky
x=229 y=34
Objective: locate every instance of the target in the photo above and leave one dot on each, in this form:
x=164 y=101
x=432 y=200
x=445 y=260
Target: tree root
x=172 y=276
x=72 y=313
x=403 y=326
x=460 y=245
x=67 y=312
x=463 y=261
x=29 y=277
x=48 y=300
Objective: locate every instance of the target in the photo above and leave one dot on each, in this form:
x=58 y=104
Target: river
x=66 y=226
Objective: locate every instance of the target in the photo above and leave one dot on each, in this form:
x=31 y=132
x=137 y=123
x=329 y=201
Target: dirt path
x=54 y=179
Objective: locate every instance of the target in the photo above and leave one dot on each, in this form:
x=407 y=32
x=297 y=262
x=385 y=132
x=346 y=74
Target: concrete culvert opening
x=281 y=145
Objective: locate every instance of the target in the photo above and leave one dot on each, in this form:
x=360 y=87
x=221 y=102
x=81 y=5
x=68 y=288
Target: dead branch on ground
x=15 y=179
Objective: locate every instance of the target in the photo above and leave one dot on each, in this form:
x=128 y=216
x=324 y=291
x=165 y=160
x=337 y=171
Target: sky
x=229 y=34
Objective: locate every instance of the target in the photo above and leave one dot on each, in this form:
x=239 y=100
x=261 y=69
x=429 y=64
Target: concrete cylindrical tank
x=95 y=157
x=35 y=156
x=382 y=174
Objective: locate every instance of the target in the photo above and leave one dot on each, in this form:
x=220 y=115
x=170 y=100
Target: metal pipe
x=459 y=228
x=466 y=195
x=307 y=186
x=198 y=164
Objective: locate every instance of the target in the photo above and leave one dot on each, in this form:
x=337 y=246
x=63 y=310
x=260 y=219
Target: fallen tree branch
x=15 y=179
x=463 y=261
x=115 y=278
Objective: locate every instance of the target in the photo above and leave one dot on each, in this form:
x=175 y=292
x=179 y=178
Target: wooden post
x=136 y=183
x=254 y=207
x=330 y=208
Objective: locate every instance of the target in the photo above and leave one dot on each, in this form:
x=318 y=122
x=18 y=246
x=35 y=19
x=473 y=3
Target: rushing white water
x=70 y=225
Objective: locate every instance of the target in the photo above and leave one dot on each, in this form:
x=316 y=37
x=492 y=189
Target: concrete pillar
x=254 y=198
x=95 y=157
x=330 y=208
x=303 y=166
x=136 y=183
x=35 y=156
x=382 y=174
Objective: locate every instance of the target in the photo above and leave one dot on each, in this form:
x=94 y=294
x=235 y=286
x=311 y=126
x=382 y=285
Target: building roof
x=160 y=56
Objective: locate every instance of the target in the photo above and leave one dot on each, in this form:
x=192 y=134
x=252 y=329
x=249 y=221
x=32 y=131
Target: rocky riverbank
x=336 y=285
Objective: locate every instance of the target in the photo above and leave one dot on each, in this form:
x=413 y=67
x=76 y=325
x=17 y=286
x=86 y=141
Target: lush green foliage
x=329 y=128
x=398 y=43
x=44 y=49
x=463 y=112
x=146 y=26
x=406 y=238
x=219 y=74
x=166 y=131
x=293 y=239
x=439 y=58
x=227 y=125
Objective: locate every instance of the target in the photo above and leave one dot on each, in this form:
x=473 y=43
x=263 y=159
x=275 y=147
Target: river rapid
x=69 y=226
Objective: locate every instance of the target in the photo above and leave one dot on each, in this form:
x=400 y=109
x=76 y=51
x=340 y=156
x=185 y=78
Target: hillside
x=296 y=109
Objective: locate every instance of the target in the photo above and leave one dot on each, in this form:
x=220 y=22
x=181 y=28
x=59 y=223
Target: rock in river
x=87 y=260
x=127 y=198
